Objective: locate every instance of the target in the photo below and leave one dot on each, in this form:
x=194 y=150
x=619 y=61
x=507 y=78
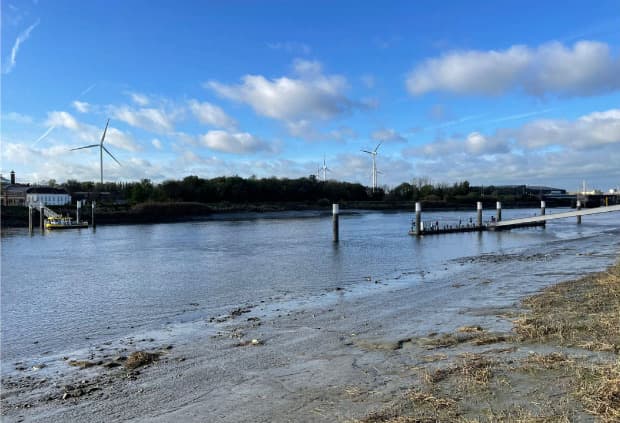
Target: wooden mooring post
x=498 y=216
x=335 y=212
x=543 y=207
x=30 y=219
x=479 y=210
x=41 y=219
x=77 y=211
x=578 y=208
x=418 y=218
x=92 y=216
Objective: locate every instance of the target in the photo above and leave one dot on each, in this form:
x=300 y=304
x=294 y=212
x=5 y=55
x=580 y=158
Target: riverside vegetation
x=560 y=364
x=194 y=197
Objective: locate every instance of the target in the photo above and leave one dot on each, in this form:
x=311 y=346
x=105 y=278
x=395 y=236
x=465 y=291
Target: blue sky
x=492 y=92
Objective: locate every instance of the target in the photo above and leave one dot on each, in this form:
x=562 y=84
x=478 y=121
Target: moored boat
x=64 y=223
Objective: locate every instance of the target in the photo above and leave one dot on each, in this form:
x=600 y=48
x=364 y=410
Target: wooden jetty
x=418 y=229
x=518 y=223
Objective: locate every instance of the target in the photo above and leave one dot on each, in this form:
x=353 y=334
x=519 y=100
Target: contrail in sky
x=49 y=130
x=18 y=42
x=87 y=90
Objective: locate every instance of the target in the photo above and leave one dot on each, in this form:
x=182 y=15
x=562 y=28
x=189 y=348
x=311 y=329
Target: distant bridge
x=534 y=220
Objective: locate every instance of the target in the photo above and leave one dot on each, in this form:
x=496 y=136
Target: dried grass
x=552 y=360
x=140 y=358
x=585 y=313
x=598 y=389
x=485 y=387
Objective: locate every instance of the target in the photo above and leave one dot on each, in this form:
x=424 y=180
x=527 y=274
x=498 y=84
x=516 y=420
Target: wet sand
x=340 y=357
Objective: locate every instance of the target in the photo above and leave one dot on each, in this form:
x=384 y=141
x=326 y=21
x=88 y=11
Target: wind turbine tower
x=374 y=165
x=101 y=150
x=325 y=169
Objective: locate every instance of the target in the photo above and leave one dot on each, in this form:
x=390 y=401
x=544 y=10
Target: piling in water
x=479 y=209
x=499 y=211
x=418 y=219
x=335 y=212
x=578 y=208
x=92 y=217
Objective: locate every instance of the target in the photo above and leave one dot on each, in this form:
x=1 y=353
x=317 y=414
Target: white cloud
x=211 y=114
x=157 y=144
x=304 y=129
x=588 y=131
x=312 y=96
x=290 y=47
x=387 y=134
x=477 y=144
x=307 y=68
x=308 y=131
x=588 y=68
x=342 y=133
x=121 y=139
x=235 y=143
x=358 y=168
x=18 y=118
x=545 y=151
x=62 y=119
x=81 y=106
x=474 y=144
x=139 y=99
x=90 y=133
x=150 y=119
x=18 y=42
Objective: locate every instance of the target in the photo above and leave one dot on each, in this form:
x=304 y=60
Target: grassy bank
x=561 y=363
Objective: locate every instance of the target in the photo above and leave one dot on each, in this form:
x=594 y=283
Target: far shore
x=108 y=214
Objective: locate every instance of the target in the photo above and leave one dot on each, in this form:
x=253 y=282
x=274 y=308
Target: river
x=64 y=291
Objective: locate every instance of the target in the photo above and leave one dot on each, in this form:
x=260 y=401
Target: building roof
x=45 y=190
x=15 y=188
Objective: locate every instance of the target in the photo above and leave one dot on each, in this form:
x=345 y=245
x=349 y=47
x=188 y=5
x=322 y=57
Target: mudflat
x=457 y=352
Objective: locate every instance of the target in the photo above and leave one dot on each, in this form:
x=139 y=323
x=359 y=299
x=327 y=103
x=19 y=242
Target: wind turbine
x=101 y=150
x=325 y=169
x=374 y=165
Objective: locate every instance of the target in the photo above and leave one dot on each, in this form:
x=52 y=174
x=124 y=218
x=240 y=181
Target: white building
x=47 y=196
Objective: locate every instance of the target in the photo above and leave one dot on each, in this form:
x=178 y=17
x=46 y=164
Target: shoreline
x=349 y=357
x=149 y=213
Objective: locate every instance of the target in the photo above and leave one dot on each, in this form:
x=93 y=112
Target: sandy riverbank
x=468 y=350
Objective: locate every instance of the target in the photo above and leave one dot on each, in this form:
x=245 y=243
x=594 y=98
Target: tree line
x=234 y=189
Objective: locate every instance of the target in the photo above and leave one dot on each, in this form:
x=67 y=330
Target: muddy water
x=66 y=291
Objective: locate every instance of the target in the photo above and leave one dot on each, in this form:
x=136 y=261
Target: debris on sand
x=82 y=364
x=140 y=358
x=253 y=342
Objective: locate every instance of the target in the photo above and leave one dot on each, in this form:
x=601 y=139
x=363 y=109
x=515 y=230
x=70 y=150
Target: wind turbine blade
x=106 y=150
x=104 y=131
x=88 y=146
x=378 y=145
x=366 y=151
